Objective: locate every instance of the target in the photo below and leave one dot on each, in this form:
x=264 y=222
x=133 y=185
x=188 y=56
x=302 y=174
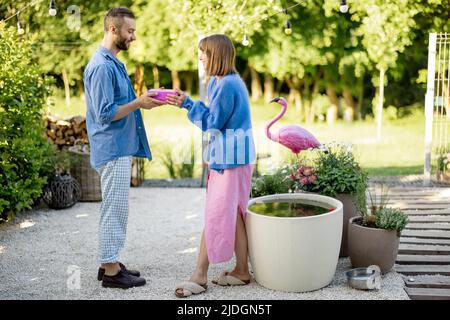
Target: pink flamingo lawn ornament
x=292 y=136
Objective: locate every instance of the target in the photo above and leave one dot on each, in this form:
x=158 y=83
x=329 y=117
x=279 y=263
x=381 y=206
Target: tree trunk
x=80 y=87
x=331 y=93
x=246 y=73
x=278 y=87
x=333 y=109
x=175 y=79
x=360 y=98
x=256 y=85
x=349 y=111
x=139 y=80
x=306 y=93
x=189 y=79
x=66 y=81
x=268 y=88
x=295 y=96
x=380 y=105
x=155 y=72
x=311 y=110
x=348 y=97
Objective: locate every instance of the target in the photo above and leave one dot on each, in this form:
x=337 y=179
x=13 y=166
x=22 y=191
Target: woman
x=230 y=157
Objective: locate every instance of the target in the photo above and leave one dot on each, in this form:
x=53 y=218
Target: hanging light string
x=23 y=9
x=288 y=26
x=281 y=11
x=52 y=9
x=20 y=30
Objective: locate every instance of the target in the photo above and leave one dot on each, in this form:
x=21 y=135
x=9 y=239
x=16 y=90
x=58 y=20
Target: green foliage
x=26 y=155
x=443 y=159
x=327 y=52
x=180 y=165
x=379 y=198
x=268 y=184
x=391 y=219
x=338 y=171
x=385 y=28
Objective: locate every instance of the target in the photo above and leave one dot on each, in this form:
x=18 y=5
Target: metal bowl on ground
x=364 y=278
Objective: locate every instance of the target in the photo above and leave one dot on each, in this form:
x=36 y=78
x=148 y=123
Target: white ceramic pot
x=295 y=254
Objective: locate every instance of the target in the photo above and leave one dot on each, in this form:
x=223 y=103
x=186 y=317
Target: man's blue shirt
x=107 y=87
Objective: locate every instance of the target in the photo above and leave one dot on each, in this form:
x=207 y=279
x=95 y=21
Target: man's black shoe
x=122 y=280
x=101 y=272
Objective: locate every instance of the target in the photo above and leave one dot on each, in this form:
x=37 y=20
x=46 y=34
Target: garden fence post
x=429 y=97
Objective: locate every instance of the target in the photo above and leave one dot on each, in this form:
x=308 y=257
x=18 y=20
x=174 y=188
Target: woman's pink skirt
x=226 y=192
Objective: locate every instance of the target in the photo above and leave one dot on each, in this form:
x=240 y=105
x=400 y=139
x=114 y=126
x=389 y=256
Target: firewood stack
x=64 y=132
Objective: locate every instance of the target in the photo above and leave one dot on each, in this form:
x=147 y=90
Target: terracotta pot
x=350 y=211
x=368 y=246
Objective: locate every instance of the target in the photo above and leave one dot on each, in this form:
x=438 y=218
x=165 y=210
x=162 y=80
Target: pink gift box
x=162 y=94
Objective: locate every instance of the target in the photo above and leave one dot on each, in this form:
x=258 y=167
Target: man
x=116 y=133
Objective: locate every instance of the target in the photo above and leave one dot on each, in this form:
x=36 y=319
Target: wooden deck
x=424 y=252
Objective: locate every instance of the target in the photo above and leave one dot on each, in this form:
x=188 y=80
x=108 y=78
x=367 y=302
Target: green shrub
x=25 y=155
x=268 y=184
x=337 y=171
x=181 y=165
x=443 y=158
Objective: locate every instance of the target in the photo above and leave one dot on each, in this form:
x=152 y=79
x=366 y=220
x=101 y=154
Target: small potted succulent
x=374 y=237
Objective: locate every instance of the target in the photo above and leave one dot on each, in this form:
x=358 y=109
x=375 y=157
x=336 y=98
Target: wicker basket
x=82 y=171
x=62 y=192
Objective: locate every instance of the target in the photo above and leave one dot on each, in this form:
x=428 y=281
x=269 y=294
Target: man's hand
x=147 y=102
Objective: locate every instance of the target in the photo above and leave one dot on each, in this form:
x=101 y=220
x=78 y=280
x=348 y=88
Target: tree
x=386 y=31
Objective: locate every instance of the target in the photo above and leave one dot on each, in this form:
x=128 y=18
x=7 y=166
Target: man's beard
x=121 y=44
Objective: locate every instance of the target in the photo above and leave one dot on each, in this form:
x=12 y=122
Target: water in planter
x=290 y=209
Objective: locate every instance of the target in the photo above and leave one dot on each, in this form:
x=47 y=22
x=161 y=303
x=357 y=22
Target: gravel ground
x=43 y=252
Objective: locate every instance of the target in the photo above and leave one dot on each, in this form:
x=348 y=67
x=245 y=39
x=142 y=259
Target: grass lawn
x=400 y=151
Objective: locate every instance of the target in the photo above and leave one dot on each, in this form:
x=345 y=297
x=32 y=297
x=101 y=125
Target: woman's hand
x=176 y=100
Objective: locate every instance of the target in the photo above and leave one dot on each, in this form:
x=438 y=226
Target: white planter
x=295 y=254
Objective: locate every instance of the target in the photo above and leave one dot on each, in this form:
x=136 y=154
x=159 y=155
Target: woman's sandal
x=189 y=288
x=225 y=279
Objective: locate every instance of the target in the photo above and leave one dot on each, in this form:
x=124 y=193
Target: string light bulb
x=52 y=10
x=288 y=28
x=20 y=30
x=287 y=25
x=245 y=41
x=343 y=6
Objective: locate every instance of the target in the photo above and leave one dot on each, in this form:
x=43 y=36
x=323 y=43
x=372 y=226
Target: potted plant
x=373 y=237
x=334 y=172
x=294 y=240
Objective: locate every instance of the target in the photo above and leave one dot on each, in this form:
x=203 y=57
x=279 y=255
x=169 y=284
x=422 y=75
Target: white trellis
x=437 y=101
